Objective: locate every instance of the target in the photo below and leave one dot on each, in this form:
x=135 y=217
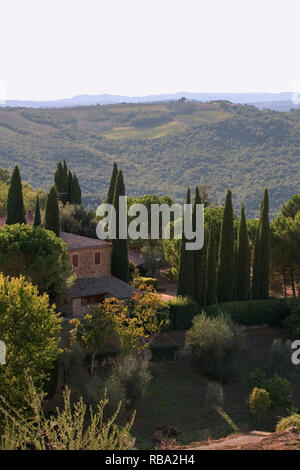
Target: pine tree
x=119 y=257
x=211 y=269
x=37 y=213
x=199 y=261
x=255 y=288
x=186 y=265
x=112 y=185
x=264 y=240
x=15 y=204
x=243 y=260
x=75 y=197
x=226 y=270
x=52 y=221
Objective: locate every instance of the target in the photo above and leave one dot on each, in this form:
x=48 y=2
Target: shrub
x=164 y=353
x=214 y=395
x=116 y=392
x=182 y=311
x=288 y=422
x=259 y=402
x=270 y=312
x=292 y=322
x=280 y=392
x=147 y=281
x=280 y=356
x=257 y=379
x=133 y=375
x=213 y=343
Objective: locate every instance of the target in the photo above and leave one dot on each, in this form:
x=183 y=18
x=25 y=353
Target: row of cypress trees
x=67 y=184
x=16 y=210
x=119 y=258
x=222 y=273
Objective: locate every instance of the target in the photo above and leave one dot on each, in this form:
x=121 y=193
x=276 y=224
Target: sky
x=52 y=49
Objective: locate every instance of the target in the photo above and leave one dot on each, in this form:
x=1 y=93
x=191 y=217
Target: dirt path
x=232 y=442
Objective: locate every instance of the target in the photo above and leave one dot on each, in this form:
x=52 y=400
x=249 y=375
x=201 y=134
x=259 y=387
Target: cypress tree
x=186 y=264
x=37 y=213
x=226 y=272
x=15 y=204
x=199 y=261
x=243 y=261
x=112 y=185
x=52 y=221
x=264 y=241
x=211 y=269
x=119 y=258
x=255 y=292
x=75 y=191
x=70 y=196
x=62 y=182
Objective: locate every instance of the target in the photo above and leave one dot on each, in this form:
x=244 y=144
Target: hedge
x=181 y=312
x=269 y=312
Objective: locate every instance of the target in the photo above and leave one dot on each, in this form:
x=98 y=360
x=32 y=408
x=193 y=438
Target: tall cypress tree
x=211 y=269
x=226 y=271
x=243 y=260
x=264 y=240
x=15 y=204
x=119 y=257
x=255 y=287
x=61 y=179
x=112 y=185
x=37 y=213
x=70 y=188
x=52 y=221
x=75 y=197
x=199 y=261
x=186 y=264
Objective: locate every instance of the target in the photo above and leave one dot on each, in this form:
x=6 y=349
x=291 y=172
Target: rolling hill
x=161 y=147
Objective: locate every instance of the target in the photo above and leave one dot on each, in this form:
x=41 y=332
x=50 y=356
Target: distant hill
x=87 y=100
x=161 y=147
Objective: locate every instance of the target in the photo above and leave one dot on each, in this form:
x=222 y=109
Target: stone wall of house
x=86 y=261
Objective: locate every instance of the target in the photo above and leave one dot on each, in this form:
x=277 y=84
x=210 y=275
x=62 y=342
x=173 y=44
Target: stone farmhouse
x=90 y=259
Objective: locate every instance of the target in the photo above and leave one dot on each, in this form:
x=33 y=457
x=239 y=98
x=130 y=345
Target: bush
x=280 y=392
x=147 y=281
x=182 y=311
x=257 y=379
x=134 y=375
x=116 y=392
x=292 y=322
x=288 y=422
x=164 y=353
x=270 y=312
x=259 y=402
x=280 y=356
x=214 y=395
x=213 y=343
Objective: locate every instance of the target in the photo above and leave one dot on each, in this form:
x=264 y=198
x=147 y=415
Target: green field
x=144 y=133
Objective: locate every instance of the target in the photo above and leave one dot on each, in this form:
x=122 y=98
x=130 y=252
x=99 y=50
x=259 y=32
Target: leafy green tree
x=30 y=330
x=186 y=283
x=256 y=268
x=119 y=257
x=37 y=254
x=199 y=261
x=75 y=218
x=259 y=402
x=112 y=185
x=15 y=204
x=69 y=428
x=243 y=259
x=264 y=240
x=211 y=269
x=226 y=271
x=37 y=213
x=52 y=221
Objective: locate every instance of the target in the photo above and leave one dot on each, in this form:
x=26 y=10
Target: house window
x=75 y=260
x=97 y=257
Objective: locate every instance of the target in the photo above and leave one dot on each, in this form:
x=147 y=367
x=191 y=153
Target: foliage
x=292 y=322
x=255 y=284
x=199 y=261
x=288 y=422
x=211 y=275
x=147 y=281
x=74 y=218
x=182 y=311
x=37 y=213
x=186 y=279
x=119 y=257
x=264 y=245
x=52 y=221
x=257 y=379
x=66 y=184
x=243 y=261
x=164 y=353
x=213 y=343
x=134 y=376
x=279 y=359
x=112 y=185
x=15 y=204
x=30 y=329
x=280 y=392
x=214 y=395
x=226 y=254
x=259 y=402
x=66 y=429
x=37 y=254
x=255 y=312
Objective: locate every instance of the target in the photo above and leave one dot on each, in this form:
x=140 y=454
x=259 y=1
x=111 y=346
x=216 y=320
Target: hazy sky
x=60 y=48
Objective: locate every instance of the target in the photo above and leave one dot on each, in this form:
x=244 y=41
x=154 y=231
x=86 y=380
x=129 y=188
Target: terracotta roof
x=136 y=257
x=108 y=284
x=77 y=242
